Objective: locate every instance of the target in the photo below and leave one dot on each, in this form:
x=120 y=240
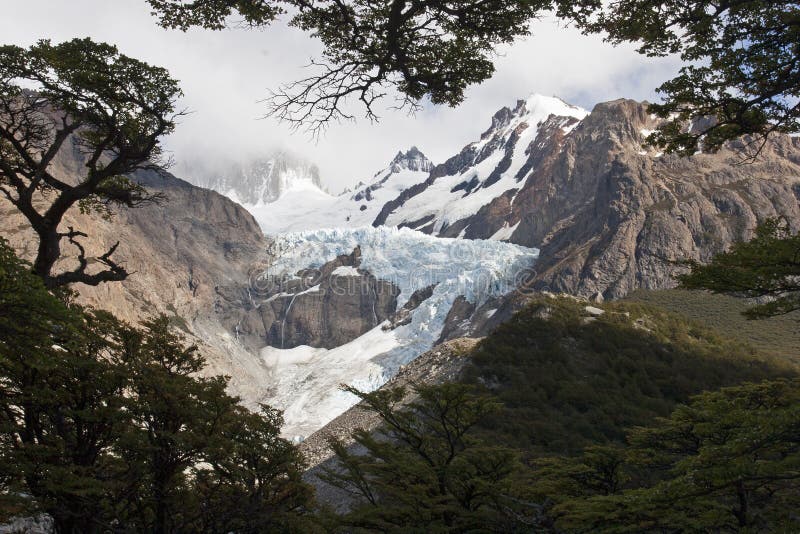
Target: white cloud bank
x=225 y=74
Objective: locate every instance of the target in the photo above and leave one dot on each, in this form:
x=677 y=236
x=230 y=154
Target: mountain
x=491 y=168
x=303 y=205
x=181 y=253
x=291 y=317
x=257 y=181
x=609 y=213
x=349 y=288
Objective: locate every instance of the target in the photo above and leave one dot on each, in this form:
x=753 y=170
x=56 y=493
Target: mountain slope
x=612 y=215
x=609 y=213
x=303 y=205
x=491 y=168
x=180 y=253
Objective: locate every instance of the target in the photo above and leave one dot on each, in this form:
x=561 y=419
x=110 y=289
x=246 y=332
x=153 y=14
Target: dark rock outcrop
x=403 y=315
x=325 y=307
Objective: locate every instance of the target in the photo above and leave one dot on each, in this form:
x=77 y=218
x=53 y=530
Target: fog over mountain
x=225 y=74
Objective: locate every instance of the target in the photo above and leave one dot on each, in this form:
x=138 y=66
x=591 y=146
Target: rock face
x=492 y=167
x=609 y=213
x=255 y=182
x=180 y=254
x=325 y=307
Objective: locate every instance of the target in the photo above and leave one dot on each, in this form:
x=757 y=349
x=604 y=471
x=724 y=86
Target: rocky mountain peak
x=532 y=110
x=256 y=181
x=413 y=160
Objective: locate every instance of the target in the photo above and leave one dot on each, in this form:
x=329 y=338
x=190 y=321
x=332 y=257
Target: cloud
x=225 y=74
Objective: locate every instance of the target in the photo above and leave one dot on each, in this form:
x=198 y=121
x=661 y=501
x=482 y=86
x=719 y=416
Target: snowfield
x=305 y=380
x=447 y=204
x=304 y=206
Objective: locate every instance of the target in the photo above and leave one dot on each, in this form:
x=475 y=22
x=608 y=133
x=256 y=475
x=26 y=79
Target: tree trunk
x=741 y=511
x=48 y=253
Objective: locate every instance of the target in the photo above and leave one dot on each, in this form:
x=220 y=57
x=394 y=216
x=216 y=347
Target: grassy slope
x=779 y=336
x=567 y=382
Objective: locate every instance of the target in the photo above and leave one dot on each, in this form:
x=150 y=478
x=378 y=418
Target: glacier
x=445 y=203
x=305 y=380
x=304 y=205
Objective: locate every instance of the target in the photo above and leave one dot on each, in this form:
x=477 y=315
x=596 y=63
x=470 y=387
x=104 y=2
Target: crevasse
x=306 y=379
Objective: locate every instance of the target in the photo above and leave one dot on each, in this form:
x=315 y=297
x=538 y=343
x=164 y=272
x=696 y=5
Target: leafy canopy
x=741 y=66
x=728 y=461
x=767 y=266
x=86 y=98
x=425 y=470
x=103 y=424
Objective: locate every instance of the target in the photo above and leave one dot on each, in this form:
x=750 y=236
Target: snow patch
x=306 y=207
x=345 y=270
x=504 y=233
x=306 y=380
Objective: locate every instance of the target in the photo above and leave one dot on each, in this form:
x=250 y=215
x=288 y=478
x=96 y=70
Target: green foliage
x=568 y=381
x=213 y=14
x=777 y=336
x=83 y=96
x=741 y=63
x=766 y=266
x=254 y=480
x=728 y=461
x=108 y=427
x=61 y=402
x=426 y=470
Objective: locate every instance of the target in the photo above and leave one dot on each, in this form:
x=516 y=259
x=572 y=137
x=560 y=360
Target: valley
x=329 y=267
x=348 y=288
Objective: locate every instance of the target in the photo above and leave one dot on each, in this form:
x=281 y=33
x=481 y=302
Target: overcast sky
x=225 y=74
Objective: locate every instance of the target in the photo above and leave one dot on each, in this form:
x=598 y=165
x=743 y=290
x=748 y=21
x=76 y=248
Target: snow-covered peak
x=539 y=107
x=494 y=166
x=257 y=181
x=413 y=160
x=532 y=111
x=304 y=206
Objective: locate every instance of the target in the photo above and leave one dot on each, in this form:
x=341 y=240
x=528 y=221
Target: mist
x=226 y=75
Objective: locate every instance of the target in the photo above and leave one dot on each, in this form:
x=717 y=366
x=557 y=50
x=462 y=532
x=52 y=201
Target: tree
x=254 y=482
x=742 y=68
x=61 y=396
x=87 y=97
x=176 y=416
x=425 y=471
x=105 y=426
x=417 y=48
x=198 y=461
x=768 y=266
x=728 y=461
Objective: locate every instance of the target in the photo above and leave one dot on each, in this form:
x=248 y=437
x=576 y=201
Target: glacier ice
x=305 y=380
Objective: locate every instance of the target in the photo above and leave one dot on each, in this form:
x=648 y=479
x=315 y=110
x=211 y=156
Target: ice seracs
x=306 y=380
